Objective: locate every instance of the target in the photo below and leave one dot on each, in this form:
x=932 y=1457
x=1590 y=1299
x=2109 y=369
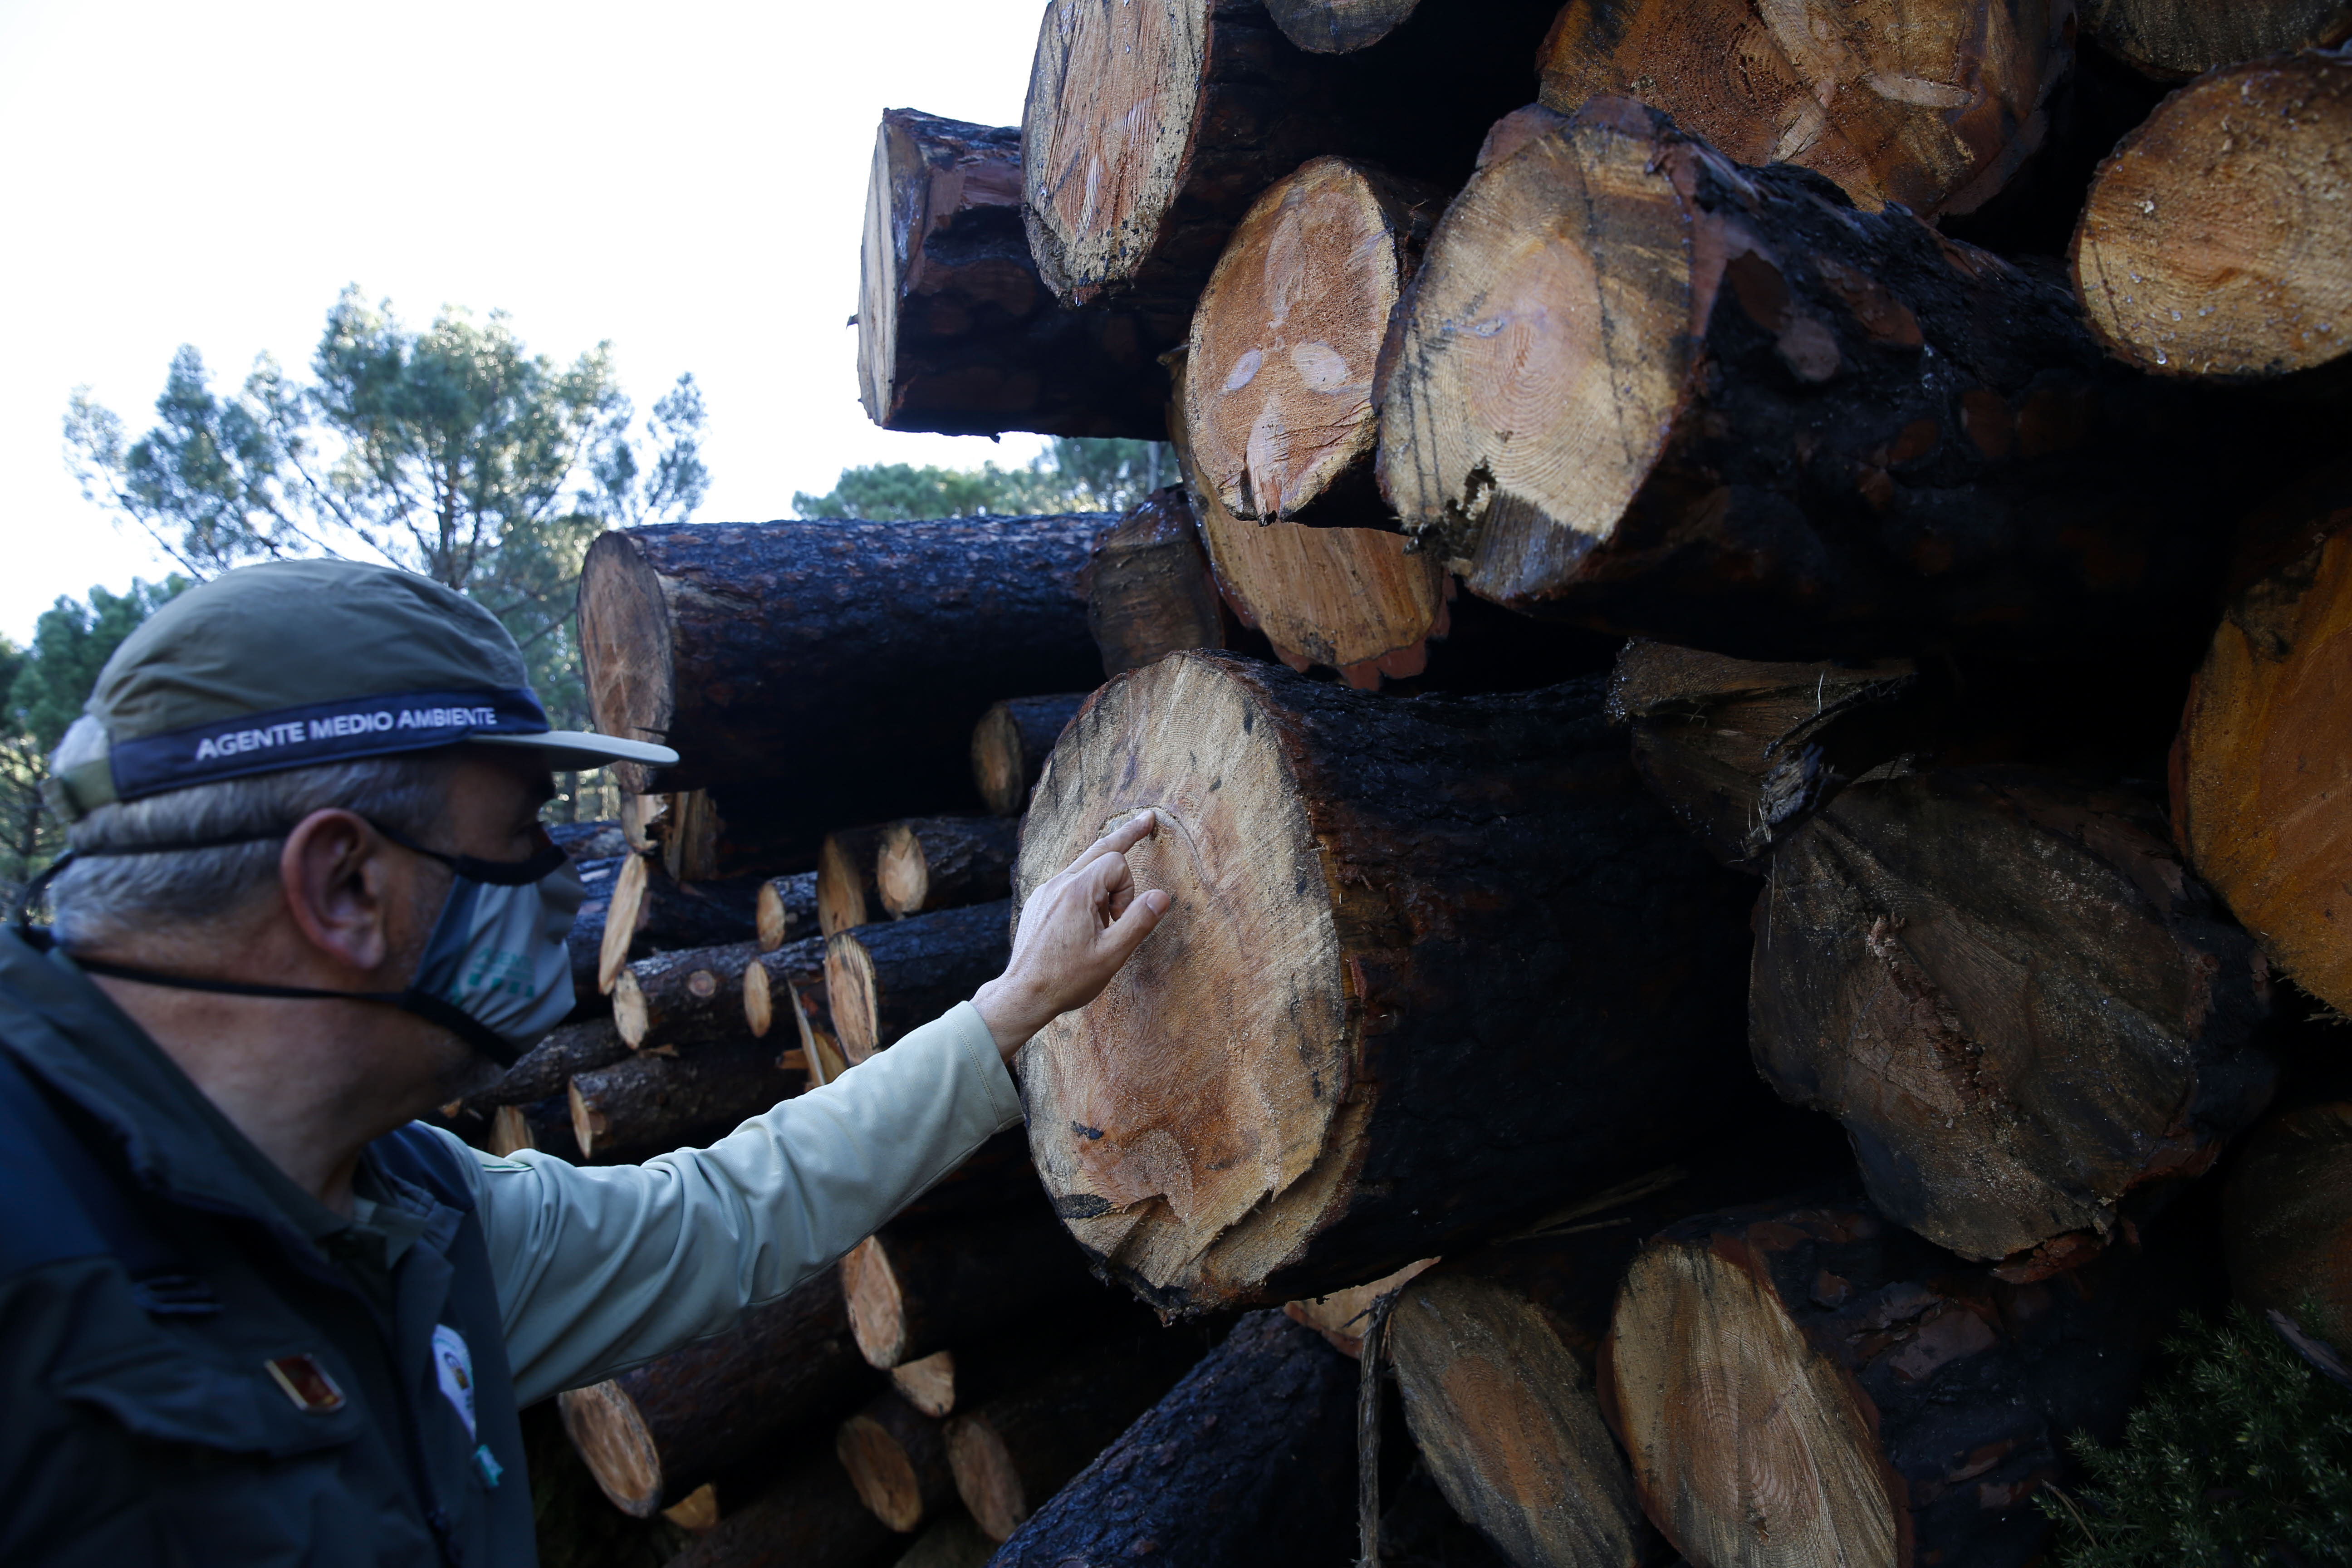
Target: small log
x=585 y=942
x=811 y=1518
x=1393 y=922
x=2172 y=40
x=955 y=331
x=1011 y=1454
x=550 y=1065
x=1799 y=1384
x=2182 y=260
x=881 y=980
x=915 y=1288
x=654 y=1434
x=896 y=1457
x=514 y=1128
x=930 y=863
x=2020 y=1007
x=945 y=1382
x=952 y=1542
x=2287 y=1216
x=1249 y=1461
x=650 y=912
x=774 y=981
x=1353 y=599
x=1151 y=591
x=1742 y=752
x=757 y=650
x=674 y=999
x=1277 y=387
x=1933 y=105
x=698 y=1513
x=846 y=893
x=1342 y=1316
x=1009 y=745
x=651 y=1104
x=786 y=910
x=1730 y=412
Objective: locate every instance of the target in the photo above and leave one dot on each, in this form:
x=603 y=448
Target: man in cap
x=251 y=1310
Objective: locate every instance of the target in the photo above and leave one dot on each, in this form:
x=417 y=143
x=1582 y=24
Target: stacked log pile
x=1759 y=577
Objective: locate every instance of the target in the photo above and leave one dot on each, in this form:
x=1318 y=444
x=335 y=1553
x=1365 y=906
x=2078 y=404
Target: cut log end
x=622 y=915
x=897 y=1458
x=629 y=1015
x=699 y=1512
x=1279 y=380
x=927 y=1382
x=2182 y=258
x=2172 y=40
x=986 y=1477
x=509 y=1131
x=878 y=1313
x=901 y=872
x=605 y=1426
x=1009 y=745
x=622 y=606
x=852 y=994
x=759 y=1007
x=587 y=1122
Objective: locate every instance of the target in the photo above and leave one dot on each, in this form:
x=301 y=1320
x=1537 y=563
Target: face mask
x=496 y=972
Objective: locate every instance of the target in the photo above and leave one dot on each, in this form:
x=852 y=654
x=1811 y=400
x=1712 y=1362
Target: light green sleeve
x=601 y=1267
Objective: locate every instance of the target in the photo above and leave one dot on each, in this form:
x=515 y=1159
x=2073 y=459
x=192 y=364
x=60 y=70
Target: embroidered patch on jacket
x=454 y=1364
x=306 y=1383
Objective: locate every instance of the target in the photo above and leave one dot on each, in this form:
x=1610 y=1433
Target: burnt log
x=916 y=1287
x=651 y=1104
x=810 y=1519
x=1009 y=745
x=674 y=999
x=1150 y=591
x=1431 y=966
x=930 y=863
x=896 y=1457
x=882 y=981
x=785 y=909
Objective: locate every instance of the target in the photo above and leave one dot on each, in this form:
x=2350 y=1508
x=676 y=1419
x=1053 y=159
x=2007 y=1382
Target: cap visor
x=582 y=749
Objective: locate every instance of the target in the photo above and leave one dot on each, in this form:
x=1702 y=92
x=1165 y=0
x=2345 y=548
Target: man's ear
x=343 y=884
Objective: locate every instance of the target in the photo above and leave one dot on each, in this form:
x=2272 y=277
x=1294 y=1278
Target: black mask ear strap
x=432 y=1009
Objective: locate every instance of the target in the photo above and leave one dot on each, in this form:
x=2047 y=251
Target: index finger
x=1121 y=839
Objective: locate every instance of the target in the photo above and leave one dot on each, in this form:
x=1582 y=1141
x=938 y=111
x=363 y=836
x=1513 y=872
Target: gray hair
x=99 y=901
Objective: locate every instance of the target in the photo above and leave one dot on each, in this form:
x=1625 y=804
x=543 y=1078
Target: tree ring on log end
x=624 y=608
x=1544 y=354
x=1180 y=1120
x=1751 y=1447
x=604 y=1425
x=1106 y=76
x=1278 y=377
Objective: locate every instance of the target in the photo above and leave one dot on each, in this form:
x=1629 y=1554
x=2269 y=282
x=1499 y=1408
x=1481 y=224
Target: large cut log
x=1011 y=1454
x=674 y=999
x=774 y=981
x=653 y=1434
x=1419 y=1529
x=896 y=1457
x=1743 y=751
x=814 y=673
x=2200 y=252
x=1933 y=105
x=2022 y=1007
x=1151 y=592
x=930 y=863
x=786 y=910
x=881 y=980
x=847 y=894
x=1431 y=966
x=955 y=331
x=2175 y=39
x=1249 y=1461
x=916 y=1287
x=1009 y=745
x=1810 y=1384
x=649 y=911
x=1277 y=388
x=1351 y=598
x=1639 y=388
x=651 y=1103
x=2288 y=1220
x=811 y=1518
x=2258 y=773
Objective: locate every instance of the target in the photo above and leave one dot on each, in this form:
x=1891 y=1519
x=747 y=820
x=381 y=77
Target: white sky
x=686 y=180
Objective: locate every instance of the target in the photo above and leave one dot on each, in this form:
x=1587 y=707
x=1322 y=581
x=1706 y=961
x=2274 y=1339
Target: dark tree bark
x=543 y=1124
x=786 y=910
x=2288 y=1218
x=811 y=1518
x=2027 y=1015
x=1249 y=1461
x=674 y=999
x=816 y=673
x=997 y=1176
x=977 y=1371
x=1150 y=591
x=1009 y=745
x=930 y=863
x=1741 y=751
x=774 y=981
x=955 y=331
x=651 y=1104
x=896 y=1457
x=1793 y=430
x=846 y=893
x=2172 y=40
x=1011 y=1454
x=549 y=1066
x=1433 y=966
x=1339 y=27
x=647 y=911
x=881 y=980
x=916 y=1287
x=1808 y=1383
x=653 y=1434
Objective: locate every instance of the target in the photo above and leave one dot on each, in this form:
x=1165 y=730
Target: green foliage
x=2240 y=1454
x=453 y=452
x=1070 y=475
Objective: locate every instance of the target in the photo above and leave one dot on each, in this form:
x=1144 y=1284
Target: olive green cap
x=293 y=664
